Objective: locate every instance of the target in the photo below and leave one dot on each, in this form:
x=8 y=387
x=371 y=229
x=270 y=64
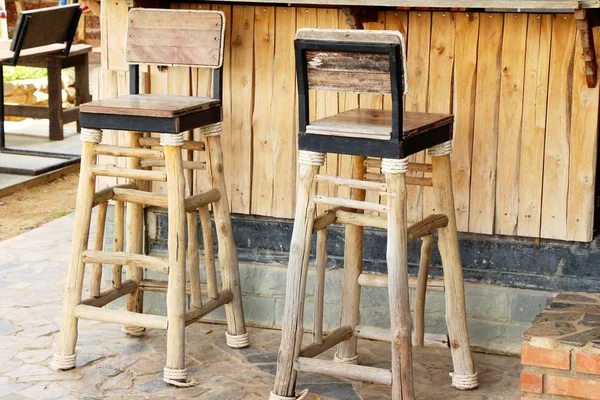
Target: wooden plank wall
x=526 y=123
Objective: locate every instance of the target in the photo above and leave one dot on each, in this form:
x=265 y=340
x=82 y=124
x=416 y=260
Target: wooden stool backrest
x=175 y=37
x=46 y=26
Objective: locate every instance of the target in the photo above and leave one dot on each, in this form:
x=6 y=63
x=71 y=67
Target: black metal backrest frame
x=349 y=145
x=27 y=18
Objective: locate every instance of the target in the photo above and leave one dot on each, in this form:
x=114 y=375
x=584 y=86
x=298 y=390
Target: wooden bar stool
x=368 y=62
x=155 y=37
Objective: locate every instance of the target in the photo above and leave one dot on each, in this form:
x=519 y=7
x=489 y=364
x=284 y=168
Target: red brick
x=578 y=388
x=532 y=383
x=587 y=363
x=547 y=358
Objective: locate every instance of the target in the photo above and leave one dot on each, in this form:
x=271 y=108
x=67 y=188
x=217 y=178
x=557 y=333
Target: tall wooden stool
x=367 y=62
x=155 y=37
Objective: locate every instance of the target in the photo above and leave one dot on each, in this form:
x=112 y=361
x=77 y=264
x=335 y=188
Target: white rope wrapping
x=90 y=135
x=211 y=130
x=171 y=139
x=344 y=360
x=133 y=330
x=442 y=149
x=177 y=377
x=237 y=341
x=464 y=382
x=299 y=396
x=311 y=158
x=64 y=362
x=394 y=166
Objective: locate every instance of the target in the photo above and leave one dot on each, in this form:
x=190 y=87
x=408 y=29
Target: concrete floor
x=115 y=366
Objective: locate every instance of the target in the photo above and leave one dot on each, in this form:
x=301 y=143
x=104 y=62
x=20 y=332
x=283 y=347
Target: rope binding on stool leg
x=63 y=362
x=442 y=149
x=177 y=377
x=211 y=130
x=90 y=135
x=345 y=360
x=133 y=330
x=464 y=382
x=171 y=139
x=311 y=158
x=394 y=166
x=237 y=341
x=299 y=396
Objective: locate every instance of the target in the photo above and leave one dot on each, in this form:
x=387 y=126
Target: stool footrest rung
x=111 y=294
x=186 y=164
x=155 y=285
x=187 y=144
x=123 y=258
x=104 y=195
x=348 y=371
x=196 y=313
x=426 y=226
x=410 y=180
x=83 y=311
x=352 y=183
x=161 y=200
x=352 y=218
x=121 y=151
x=385 y=335
x=354 y=204
x=114 y=171
x=381 y=281
x=337 y=336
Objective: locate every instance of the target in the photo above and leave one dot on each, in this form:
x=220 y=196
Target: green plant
x=19 y=72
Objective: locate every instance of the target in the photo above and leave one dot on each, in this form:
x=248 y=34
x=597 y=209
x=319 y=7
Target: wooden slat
x=558 y=126
x=583 y=146
x=122 y=258
x=485 y=136
x=150 y=105
x=465 y=66
x=535 y=95
x=510 y=117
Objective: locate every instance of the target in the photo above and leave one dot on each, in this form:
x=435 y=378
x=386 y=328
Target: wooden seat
x=377 y=124
x=151 y=105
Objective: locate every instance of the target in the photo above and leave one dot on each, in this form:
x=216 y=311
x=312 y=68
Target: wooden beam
x=83 y=311
x=385 y=335
x=348 y=371
x=111 y=294
x=122 y=258
x=196 y=313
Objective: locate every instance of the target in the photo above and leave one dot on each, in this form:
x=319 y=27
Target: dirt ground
x=32 y=207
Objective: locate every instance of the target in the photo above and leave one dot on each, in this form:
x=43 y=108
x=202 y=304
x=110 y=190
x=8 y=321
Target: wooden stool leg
x=292 y=324
x=65 y=358
x=426 y=250
x=320 y=266
x=117 y=270
x=194 y=259
x=353 y=252
x=175 y=372
x=228 y=261
x=209 y=257
x=397 y=261
x=464 y=376
x=134 y=227
x=96 y=278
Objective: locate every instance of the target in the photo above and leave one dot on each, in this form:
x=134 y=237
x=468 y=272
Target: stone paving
x=114 y=366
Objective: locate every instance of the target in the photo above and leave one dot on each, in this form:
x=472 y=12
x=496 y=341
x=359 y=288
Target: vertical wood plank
x=264 y=139
x=108 y=88
x=418 y=48
x=535 y=96
x=509 y=125
x=583 y=146
x=113 y=34
x=441 y=70
x=242 y=64
x=463 y=104
x=159 y=84
x=485 y=135
x=558 y=124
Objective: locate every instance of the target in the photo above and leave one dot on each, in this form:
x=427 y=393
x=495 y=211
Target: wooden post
x=320 y=266
x=193 y=259
x=397 y=262
x=353 y=245
x=228 y=260
x=426 y=249
x=177 y=248
x=82 y=80
x=55 y=110
x=209 y=254
x=456 y=315
x=292 y=324
x=65 y=359
x=134 y=242
x=119 y=233
x=96 y=276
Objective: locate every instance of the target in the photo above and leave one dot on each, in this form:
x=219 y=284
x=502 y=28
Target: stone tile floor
x=114 y=366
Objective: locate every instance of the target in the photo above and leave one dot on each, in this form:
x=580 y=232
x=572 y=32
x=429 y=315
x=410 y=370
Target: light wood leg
x=292 y=324
x=464 y=376
x=353 y=252
x=193 y=259
x=228 y=260
x=174 y=371
x=320 y=266
x=426 y=250
x=65 y=358
x=96 y=276
x=117 y=270
x=397 y=261
x=209 y=256
x=134 y=244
